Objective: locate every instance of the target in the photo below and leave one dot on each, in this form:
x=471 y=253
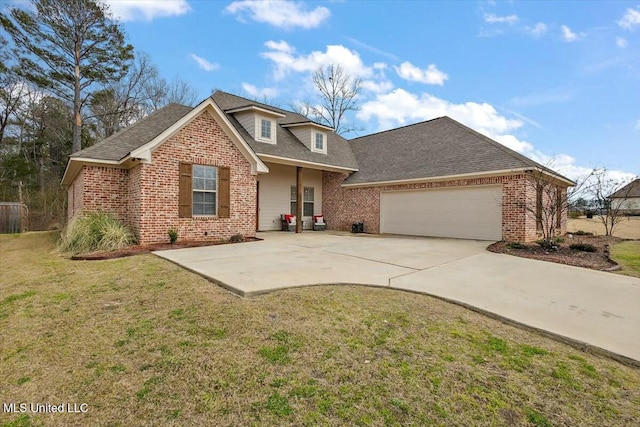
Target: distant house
x=628 y=198
x=232 y=165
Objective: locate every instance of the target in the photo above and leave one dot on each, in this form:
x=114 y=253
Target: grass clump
x=96 y=231
x=582 y=233
x=584 y=247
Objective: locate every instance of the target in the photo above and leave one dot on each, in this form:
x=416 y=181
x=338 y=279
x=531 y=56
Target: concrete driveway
x=599 y=309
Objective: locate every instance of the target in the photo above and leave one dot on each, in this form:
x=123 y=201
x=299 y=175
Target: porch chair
x=288 y=222
x=319 y=224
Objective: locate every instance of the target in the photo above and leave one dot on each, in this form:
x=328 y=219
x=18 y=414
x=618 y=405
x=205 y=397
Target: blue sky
x=549 y=79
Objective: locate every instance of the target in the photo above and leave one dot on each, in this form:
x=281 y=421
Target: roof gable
x=632 y=189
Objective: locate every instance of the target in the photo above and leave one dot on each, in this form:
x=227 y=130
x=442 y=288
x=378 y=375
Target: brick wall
x=145 y=197
x=344 y=206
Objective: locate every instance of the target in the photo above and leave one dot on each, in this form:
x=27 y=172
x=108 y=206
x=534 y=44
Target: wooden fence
x=13 y=217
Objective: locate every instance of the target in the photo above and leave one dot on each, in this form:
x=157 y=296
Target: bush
x=173 y=236
x=236 y=238
x=582 y=233
x=584 y=247
x=93 y=232
x=575 y=214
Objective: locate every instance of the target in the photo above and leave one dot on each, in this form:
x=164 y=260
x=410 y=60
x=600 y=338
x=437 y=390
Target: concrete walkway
x=601 y=310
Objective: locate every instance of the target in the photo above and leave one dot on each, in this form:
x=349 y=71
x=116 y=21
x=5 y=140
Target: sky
x=556 y=81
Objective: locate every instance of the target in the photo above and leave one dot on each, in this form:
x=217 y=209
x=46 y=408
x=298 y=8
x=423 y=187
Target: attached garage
x=464 y=212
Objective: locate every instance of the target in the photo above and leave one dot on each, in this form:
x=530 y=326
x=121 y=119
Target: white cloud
x=630 y=19
x=286 y=60
x=538 y=30
x=282 y=14
x=431 y=75
x=399 y=108
x=266 y=92
x=491 y=18
x=146 y=10
x=203 y=63
x=621 y=42
x=377 y=86
x=568 y=35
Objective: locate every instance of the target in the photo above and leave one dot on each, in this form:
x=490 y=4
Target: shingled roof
x=339 y=153
x=434 y=148
x=120 y=144
x=632 y=189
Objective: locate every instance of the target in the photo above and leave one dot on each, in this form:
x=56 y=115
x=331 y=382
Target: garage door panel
x=470 y=213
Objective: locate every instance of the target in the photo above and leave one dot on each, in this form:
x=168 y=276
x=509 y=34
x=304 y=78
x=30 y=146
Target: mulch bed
x=598 y=260
x=144 y=249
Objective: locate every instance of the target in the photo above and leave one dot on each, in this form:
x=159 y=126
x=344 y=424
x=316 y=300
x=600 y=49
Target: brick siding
x=344 y=206
x=146 y=196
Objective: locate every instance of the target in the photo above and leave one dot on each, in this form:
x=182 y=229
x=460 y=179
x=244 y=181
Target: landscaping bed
x=143 y=249
x=564 y=254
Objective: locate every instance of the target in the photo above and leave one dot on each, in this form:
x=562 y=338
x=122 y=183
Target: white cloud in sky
x=431 y=75
x=491 y=18
x=621 y=42
x=537 y=30
x=568 y=35
x=377 y=86
x=282 y=14
x=286 y=60
x=146 y=10
x=630 y=20
x=203 y=63
x=266 y=92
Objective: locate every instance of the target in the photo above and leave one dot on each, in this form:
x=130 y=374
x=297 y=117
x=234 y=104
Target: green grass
x=143 y=342
x=627 y=254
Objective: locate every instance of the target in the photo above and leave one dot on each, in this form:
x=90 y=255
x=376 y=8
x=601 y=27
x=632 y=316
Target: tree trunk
x=77 y=118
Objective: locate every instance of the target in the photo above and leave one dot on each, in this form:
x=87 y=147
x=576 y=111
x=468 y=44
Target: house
x=627 y=199
x=232 y=165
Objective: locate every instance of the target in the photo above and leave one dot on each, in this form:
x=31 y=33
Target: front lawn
x=627 y=255
x=143 y=342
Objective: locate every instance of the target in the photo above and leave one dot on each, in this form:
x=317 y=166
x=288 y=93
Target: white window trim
x=324 y=142
x=313 y=202
x=259 y=137
x=193 y=190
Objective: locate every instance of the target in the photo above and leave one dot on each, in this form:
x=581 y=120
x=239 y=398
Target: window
x=205 y=190
x=307 y=201
x=318 y=142
x=265 y=129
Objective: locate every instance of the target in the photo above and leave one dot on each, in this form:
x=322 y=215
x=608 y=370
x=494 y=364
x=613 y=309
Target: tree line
x=68 y=78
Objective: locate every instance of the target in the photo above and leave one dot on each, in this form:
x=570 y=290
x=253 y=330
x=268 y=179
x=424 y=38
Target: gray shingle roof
x=120 y=144
x=338 y=150
x=632 y=189
x=438 y=147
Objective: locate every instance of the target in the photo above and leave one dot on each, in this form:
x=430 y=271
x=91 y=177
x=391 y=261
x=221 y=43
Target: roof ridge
x=401 y=127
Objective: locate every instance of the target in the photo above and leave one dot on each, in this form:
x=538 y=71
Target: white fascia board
x=487 y=174
x=304 y=163
x=257 y=109
x=75 y=164
x=309 y=123
x=144 y=153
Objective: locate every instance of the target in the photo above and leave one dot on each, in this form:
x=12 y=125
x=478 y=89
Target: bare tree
x=546 y=199
x=610 y=211
x=338 y=96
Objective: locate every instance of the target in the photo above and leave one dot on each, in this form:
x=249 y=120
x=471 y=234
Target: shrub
x=583 y=233
x=236 y=238
x=584 y=247
x=96 y=231
x=575 y=214
x=173 y=236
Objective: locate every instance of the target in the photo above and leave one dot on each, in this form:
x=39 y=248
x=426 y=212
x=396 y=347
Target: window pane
x=308 y=209
x=293 y=193
x=198 y=183
x=265 y=129
x=293 y=208
x=319 y=141
x=204 y=203
x=308 y=194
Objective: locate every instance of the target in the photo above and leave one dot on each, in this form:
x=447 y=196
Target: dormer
x=313 y=135
x=259 y=122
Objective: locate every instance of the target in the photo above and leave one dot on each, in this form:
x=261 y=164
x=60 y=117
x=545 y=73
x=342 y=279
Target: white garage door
x=466 y=213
